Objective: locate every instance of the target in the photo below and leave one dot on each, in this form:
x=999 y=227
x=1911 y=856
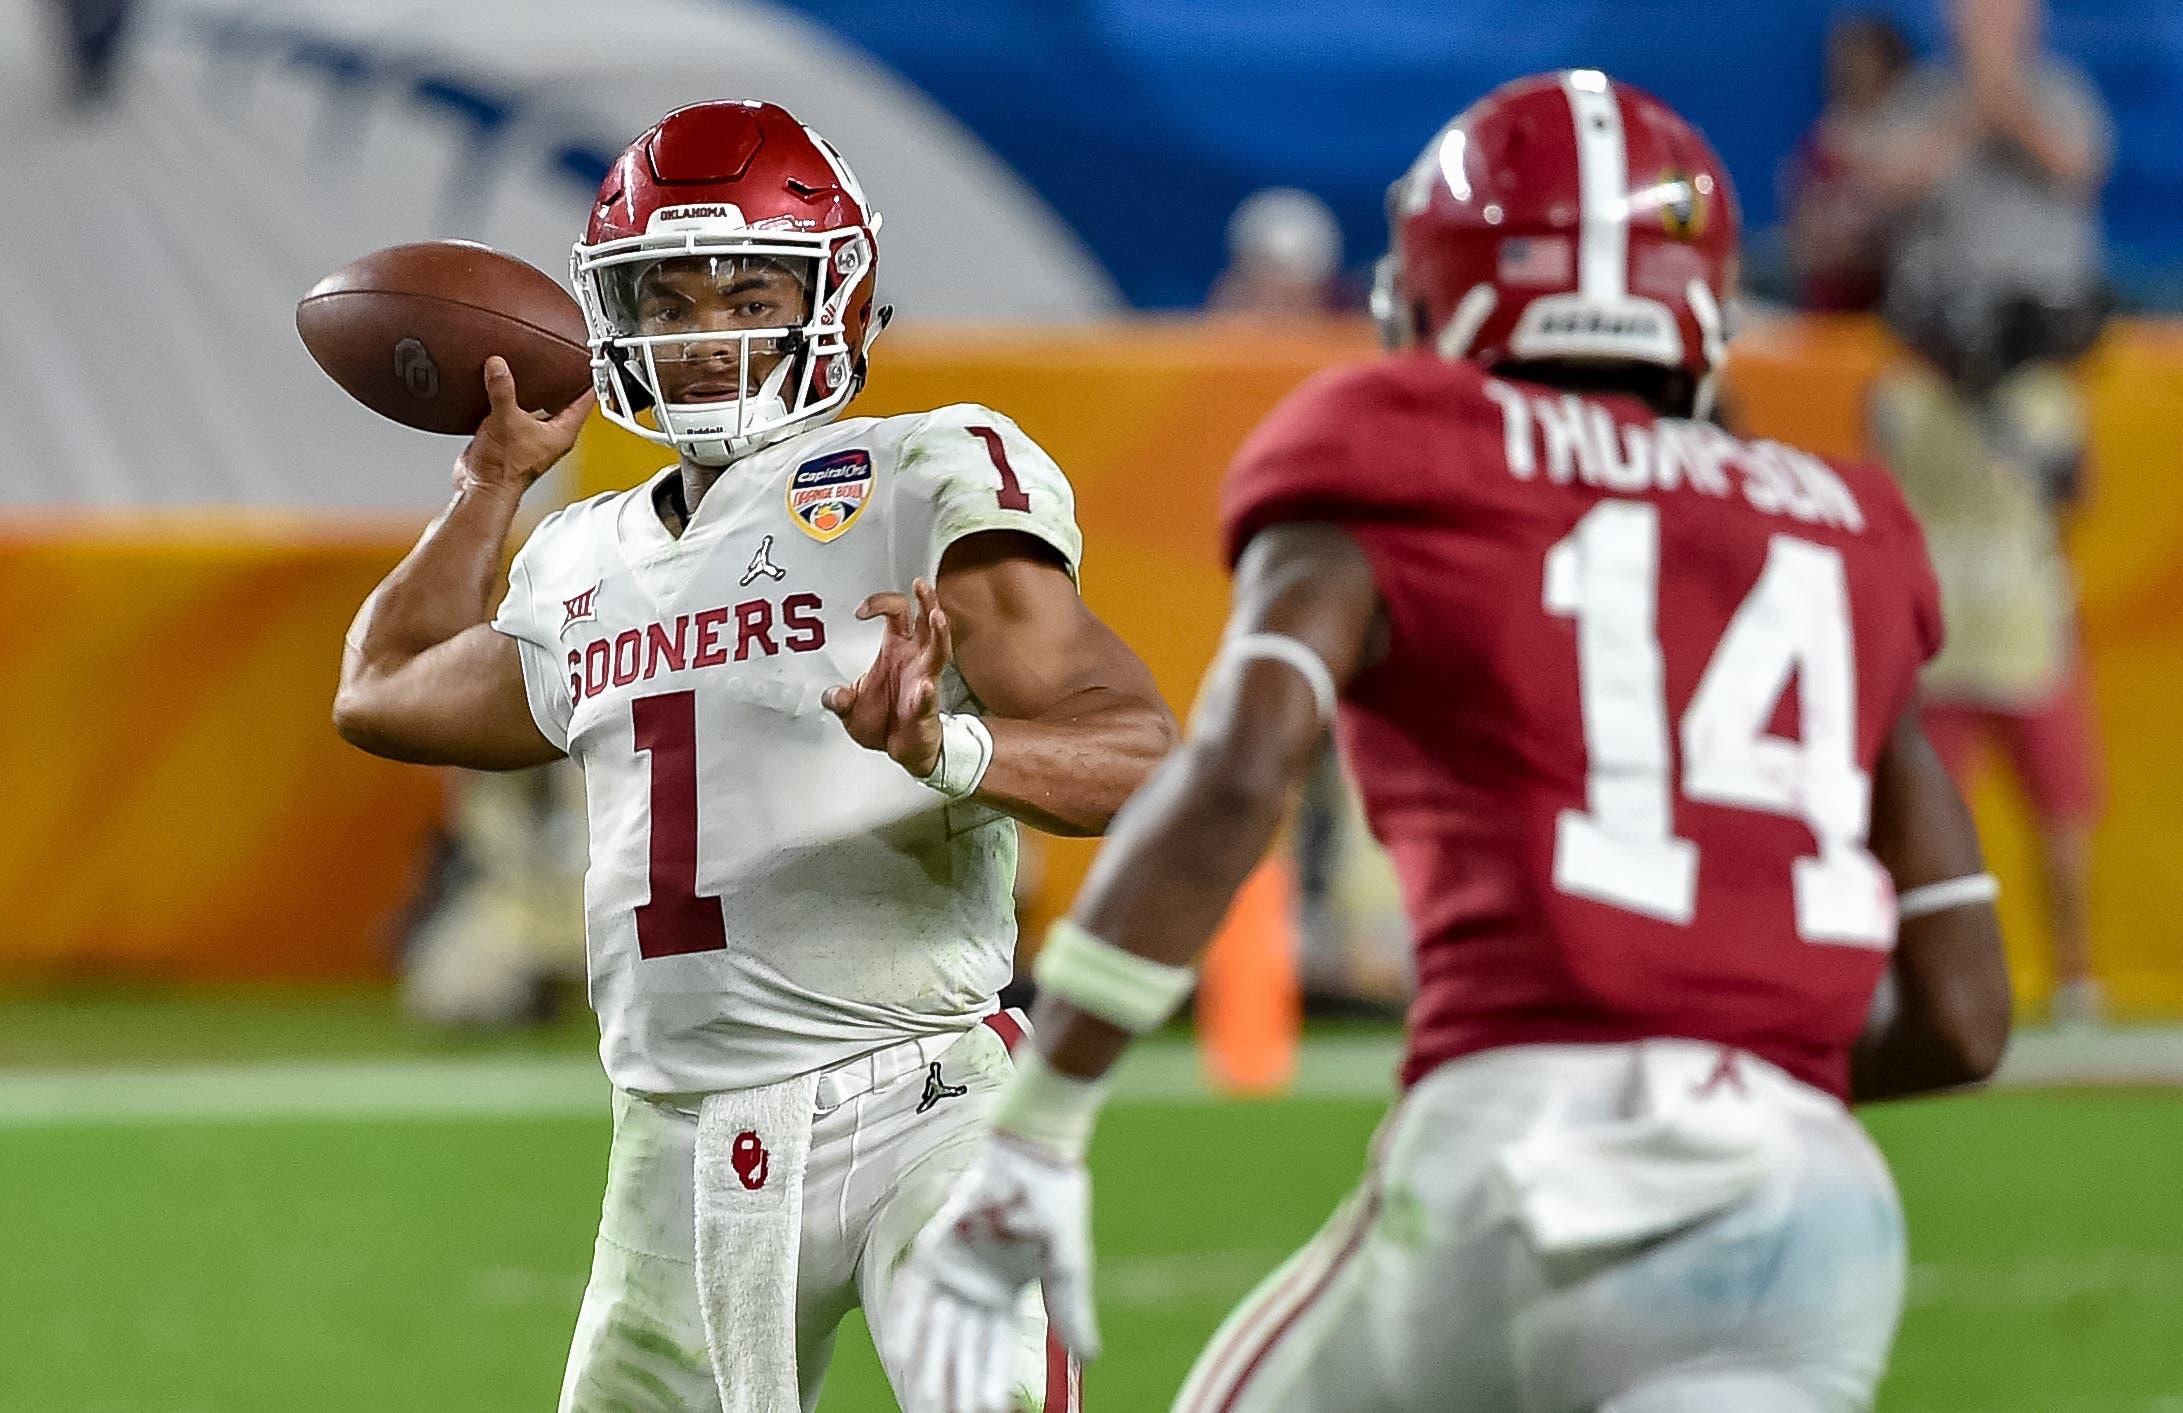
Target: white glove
x=1020 y=1213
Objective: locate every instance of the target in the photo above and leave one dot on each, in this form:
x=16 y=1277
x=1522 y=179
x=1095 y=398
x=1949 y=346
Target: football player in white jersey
x=815 y=672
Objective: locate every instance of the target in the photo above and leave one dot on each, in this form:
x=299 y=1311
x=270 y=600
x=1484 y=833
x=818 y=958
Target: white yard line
x=2119 y=1057
x=553 y=1086
x=500 y=1087
x=2046 y=1282
x=1350 y=1067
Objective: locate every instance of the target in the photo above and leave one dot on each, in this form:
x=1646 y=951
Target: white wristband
x=966 y=752
x=1930 y=898
x=1042 y=1105
x=1133 y=992
x=1299 y=656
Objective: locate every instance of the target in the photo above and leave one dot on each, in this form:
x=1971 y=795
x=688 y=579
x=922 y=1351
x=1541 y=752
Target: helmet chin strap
x=717 y=438
x=1713 y=331
x=1461 y=331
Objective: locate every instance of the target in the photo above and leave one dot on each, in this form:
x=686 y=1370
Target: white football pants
x=892 y=1131
x=1432 y=1287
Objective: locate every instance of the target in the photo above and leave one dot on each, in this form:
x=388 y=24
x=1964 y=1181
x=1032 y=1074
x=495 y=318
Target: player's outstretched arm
x=423 y=678
x=1306 y=620
x=1072 y=721
x=1076 y=720
x=1943 y=1017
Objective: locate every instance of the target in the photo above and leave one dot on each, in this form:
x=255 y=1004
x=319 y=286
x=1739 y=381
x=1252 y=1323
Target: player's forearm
x=1910 y=1057
x=443 y=586
x=1175 y=858
x=1942 y=1016
x=1178 y=852
x=1069 y=771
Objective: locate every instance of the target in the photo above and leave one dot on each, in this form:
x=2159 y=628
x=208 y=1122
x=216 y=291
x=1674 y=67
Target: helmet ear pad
x=639 y=395
x=861 y=364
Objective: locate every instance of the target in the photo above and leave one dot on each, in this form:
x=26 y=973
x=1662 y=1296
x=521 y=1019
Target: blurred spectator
x=1356 y=938
x=1996 y=165
x=1284 y=258
x=1996 y=282
x=93 y=31
x=1836 y=219
x=500 y=930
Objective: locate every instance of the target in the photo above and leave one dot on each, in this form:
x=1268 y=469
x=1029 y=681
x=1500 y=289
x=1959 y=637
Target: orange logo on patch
x=827 y=495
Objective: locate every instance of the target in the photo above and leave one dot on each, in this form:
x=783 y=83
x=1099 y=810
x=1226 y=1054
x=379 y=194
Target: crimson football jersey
x=1621 y=748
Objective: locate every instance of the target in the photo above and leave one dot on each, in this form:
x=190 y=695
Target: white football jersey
x=766 y=897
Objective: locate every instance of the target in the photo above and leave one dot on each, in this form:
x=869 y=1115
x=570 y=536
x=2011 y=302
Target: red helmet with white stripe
x=1564 y=218
x=716 y=193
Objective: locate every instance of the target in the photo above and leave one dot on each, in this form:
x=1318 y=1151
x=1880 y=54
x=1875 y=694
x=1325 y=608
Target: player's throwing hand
x=1021 y=1213
x=895 y=706
x=512 y=447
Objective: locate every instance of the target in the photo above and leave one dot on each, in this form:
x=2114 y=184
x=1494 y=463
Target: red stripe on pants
x=1064 y=1380
x=1007 y=1027
x=1064 y=1377
x=1311 y=1298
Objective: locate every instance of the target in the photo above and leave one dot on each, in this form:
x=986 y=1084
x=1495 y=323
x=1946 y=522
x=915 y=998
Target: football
x=406 y=331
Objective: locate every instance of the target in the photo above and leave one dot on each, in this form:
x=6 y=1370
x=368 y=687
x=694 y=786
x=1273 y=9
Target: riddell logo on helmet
x=1598 y=323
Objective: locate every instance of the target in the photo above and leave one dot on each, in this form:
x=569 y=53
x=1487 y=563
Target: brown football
x=406 y=331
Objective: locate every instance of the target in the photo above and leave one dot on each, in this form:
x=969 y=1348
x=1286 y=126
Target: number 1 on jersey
x=678 y=919
x=1012 y=494
x=1621 y=849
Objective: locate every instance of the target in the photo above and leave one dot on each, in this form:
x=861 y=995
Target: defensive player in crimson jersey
x=1630 y=702
x=815 y=671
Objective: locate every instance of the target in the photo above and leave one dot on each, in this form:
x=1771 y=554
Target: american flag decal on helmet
x=1546 y=262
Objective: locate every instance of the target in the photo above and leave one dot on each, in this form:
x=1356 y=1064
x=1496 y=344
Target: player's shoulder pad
x=953 y=432
x=961 y=414
x=980 y=471
x=580 y=517
x=567 y=540
x=1347 y=444
x=967 y=444
x=1899 y=538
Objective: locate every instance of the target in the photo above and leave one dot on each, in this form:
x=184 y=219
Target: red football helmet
x=730 y=186
x=1564 y=217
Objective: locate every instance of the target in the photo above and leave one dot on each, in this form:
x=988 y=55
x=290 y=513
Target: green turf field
x=232 y=1242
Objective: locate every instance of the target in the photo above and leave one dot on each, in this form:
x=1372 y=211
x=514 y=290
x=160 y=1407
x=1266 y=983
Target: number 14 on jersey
x=1622 y=848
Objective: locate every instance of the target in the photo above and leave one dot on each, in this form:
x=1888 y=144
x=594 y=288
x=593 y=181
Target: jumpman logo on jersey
x=937 y=1089
x=762 y=565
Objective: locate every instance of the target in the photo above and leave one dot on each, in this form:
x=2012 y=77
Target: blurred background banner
x=197 y=176
x=213 y=158
x=1159 y=116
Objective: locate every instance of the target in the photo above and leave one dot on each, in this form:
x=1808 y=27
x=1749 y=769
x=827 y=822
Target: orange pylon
x=1250 y=1004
